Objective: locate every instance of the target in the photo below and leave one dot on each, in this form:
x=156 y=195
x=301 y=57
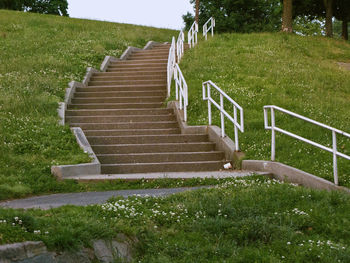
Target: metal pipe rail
x=171 y=64
x=274 y=128
x=206 y=86
x=192 y=35
x=206 y=29
x=181 y=90
x=180 y=46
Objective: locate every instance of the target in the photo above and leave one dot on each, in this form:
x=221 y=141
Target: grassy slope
x=290 y=71
x=249 y=220
x=39 y=55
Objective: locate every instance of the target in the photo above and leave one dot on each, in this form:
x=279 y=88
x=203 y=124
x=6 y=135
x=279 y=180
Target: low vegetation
x=240 y=220
x=40 y=55
x=297 y=73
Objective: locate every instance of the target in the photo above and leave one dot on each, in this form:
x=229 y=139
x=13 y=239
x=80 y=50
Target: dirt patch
x=344 y=65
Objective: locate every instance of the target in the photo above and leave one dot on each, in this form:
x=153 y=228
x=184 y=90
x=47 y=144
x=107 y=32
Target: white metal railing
x=237 y=125
x=180 y=46
x=192 y=35
x=181 y=90
x=171 y=64
x=206 y=29
x=274 y=128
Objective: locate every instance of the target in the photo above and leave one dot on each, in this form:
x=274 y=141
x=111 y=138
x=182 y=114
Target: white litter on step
x=228 y=166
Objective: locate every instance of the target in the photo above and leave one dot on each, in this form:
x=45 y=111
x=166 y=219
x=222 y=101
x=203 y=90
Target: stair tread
x=156 y=153
x=144 y=144
x=163 y=163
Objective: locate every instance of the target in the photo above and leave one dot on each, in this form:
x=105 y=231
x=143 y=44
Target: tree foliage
x=54 y=7
x=239 y=15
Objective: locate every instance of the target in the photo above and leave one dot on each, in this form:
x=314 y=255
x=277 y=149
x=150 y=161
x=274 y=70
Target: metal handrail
x=207 y=96
x=206 y=29
x=274 y=128
x=171 y=64
x=180 y=46
x=181 y=90
x=192 y=35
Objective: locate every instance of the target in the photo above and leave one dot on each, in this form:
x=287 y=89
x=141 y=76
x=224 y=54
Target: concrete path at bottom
x=87 y=198
x=91 y=198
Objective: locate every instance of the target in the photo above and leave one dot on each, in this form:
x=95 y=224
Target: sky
x=157 y=13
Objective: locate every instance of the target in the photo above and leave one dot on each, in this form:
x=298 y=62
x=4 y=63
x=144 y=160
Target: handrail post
x=209 y=104
x=273 y=135
x=185 y=102
x=176 y=84
x=222 y=115
x=180 y=99
x=212 y=26
x=335 y=164
x=236 y=129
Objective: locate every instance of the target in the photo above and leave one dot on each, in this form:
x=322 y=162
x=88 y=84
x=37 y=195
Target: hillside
x=40 y=55
x=297 y=73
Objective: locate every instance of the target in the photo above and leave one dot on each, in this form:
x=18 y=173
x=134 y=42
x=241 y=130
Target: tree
x=342 y=13
x=238 y=15
x=328 y=4
x=287 y=16
x=54 y=7
x=11 y=4
x=197 y=11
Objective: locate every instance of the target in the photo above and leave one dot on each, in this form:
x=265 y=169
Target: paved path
x=87 y=198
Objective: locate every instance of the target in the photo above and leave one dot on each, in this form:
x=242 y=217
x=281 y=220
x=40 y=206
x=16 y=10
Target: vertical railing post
x=273 y=135
x=212 y=26
x=335 y=164
x=176 y=84
x=185 y=102
x=180 y=93
x=236 y=129
x=209 y=104
x=222 y=115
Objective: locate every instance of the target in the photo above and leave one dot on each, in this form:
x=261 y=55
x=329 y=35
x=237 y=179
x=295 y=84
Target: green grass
x=297 y=73
x=40 y=55
x=241 y=220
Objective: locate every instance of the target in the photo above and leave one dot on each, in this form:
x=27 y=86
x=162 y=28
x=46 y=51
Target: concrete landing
x=169 y=175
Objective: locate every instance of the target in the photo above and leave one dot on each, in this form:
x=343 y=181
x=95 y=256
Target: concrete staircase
x=122 y=114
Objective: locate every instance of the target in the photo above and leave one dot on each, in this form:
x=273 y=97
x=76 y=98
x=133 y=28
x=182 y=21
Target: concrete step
x=126 y=125
x=151 y=93
x=118 y=100
x=132 y=132
x=161 y=167
x=154 y=148
x=132 y=77
x=131 y=73
x=128 y=82
x=121 y=118
x=164 y=47
x=160 y=157
x=151 y=53
x=116 y=105
x=148 y=56
x=139 y=61
x=147 y=139
x=137 y=68
x=140 y=87
x=144 y=66
x=147 y=59
x=121 y=112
